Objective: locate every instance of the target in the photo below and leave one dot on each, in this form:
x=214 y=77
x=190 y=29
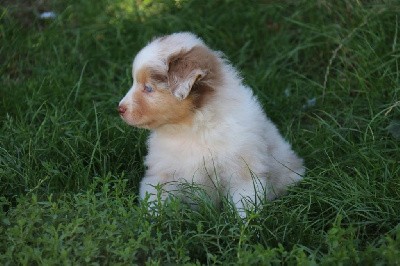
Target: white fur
x=231 y=147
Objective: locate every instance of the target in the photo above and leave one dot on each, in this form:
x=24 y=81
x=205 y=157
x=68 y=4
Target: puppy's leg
x=247 y=193
x=155 y=189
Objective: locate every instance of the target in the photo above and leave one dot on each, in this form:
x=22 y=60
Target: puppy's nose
x=121 y=109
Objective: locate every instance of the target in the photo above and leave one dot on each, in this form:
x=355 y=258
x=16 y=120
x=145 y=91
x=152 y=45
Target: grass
x=70 y=168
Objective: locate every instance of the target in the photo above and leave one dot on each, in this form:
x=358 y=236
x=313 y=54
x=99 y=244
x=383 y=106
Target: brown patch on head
x=199 y=64
x=148 y=75
x=174 y=96
x=157 y=107
x=158 y=77
x=161 y=108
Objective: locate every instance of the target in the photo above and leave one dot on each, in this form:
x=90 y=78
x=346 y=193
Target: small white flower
x=287 y=92
x=310 y=103
x=48 y=15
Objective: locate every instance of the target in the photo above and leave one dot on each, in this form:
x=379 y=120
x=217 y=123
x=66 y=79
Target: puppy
x=207 y=127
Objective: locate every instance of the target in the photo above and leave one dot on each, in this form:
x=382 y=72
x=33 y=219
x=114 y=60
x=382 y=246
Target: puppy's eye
x=148 y=88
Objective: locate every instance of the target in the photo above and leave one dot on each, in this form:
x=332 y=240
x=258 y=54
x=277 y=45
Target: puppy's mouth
x=135 y=120
x=133 y=123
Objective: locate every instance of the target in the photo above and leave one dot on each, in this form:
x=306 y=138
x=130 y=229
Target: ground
x=326 y=72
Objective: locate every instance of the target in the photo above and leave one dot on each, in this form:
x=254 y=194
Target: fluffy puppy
x=207 y=127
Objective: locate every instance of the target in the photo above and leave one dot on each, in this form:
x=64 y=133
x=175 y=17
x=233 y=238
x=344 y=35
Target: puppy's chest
x=186 y=155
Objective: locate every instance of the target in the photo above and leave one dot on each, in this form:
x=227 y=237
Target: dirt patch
x=27 y=12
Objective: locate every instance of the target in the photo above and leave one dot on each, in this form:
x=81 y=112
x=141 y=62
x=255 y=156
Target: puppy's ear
x=184 y=70
x=183 y=87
